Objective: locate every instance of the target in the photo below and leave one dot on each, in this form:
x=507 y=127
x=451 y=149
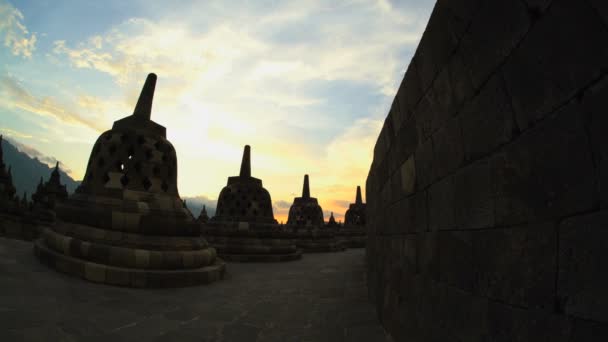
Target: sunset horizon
x=305 y=84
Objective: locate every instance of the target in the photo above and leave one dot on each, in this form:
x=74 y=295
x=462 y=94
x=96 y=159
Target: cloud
x=16 y=96
x=16 y=35
x=34 y=153
x=282 y=204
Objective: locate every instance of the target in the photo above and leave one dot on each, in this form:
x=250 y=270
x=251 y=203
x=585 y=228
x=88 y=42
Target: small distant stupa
x=353 y=233
x=305 y=210
x=332 y=221
x=126 y=224
x=244 y=198
x=47 y=194
x=203 y=217
x=244 y=227
x=306 y=221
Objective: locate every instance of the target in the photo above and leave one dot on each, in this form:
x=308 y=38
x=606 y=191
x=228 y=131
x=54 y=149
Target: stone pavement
x=322 y=297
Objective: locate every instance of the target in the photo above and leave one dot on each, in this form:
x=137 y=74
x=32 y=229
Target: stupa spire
x=306 y=188
x=358 y=200
x=143 y=109
x=246 y=163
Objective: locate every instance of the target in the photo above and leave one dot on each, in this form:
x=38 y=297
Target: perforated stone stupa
x=244 y=228
x=305 y=220
x=353 y=233
x=126 y=224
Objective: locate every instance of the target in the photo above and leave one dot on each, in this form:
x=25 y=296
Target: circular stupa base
x=127 y=259
x=129 y=277
x=352 y=238
x=317 y=240
x=245 y=242
x=262 y=257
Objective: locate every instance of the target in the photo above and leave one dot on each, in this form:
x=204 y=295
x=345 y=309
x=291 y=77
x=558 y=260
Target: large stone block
x=407 y=172
x=474 y=201
x=567 y=56
x=456 y=259
x=601 y=7
x=547 y=172
x=411 y=213
x=428 y=255
x=406 y=141
x=442 y=205
x=594 y=104
x=440 y=38
x=517 y=265
x=497 y=28
x=583 y=259
x=424 y=164
x=488 y=120
x=509 y=324
x=447 y=149
x=410 y=90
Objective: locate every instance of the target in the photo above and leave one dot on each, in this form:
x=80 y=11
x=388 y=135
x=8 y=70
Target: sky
x=306 y=83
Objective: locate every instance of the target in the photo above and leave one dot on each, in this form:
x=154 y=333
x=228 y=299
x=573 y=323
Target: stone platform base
x=320 y=247
x=244 y=242
x=262 y=257
x=119 y=276
x=352 y=237
x=317 y=240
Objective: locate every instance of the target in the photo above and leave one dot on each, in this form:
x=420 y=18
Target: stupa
x=203 y=217
x=49 y=193
x=353 y=233
x=332 y=222
x=244 y=228
x=305 y=220
x=126 y=224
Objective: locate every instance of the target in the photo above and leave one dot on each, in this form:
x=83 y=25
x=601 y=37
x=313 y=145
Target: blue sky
x=306 y=83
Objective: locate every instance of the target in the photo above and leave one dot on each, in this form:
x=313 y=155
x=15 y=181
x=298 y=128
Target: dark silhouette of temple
x=126 y=224
x=305 y=210
x=244 y=228
x=486 y=207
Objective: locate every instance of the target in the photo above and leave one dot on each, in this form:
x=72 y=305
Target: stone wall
x=487 y=196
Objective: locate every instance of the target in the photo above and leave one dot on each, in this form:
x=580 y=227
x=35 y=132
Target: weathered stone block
x=474 y=201
x=507 y=324
x=424 y=164
x=601 y=7
x=563 y=62
x=456 y=259
x=517 y=265
x=439 y=40
x=406 y=141
x=546 y=173
x=447 y=149
x=411 y=213
x=410 y=90
x=95 y=272
x=407 y=173
x=496 y=29
x=594 y=103
x=487 y=121
x=442 y=205
x=583 y=259
x=428 y=255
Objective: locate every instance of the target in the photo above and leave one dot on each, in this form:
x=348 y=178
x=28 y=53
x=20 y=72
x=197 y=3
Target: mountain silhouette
x=27 y=171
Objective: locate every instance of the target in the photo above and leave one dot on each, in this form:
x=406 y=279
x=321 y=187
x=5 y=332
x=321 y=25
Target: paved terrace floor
x=322 y=297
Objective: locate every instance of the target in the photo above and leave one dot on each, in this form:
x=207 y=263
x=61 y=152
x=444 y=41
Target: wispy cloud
x=16 y=35
x=34 y=153
x=14 y=95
